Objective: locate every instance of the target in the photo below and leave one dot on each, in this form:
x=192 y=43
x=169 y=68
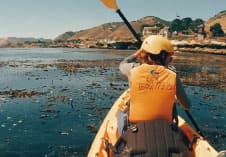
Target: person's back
x=153 y=87
x=152 y=93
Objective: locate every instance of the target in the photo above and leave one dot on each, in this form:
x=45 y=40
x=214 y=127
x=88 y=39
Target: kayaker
x=153 y=86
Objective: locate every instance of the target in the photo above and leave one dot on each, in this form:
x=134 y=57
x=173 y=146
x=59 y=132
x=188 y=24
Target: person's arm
x=128 y=63
x=181 y=95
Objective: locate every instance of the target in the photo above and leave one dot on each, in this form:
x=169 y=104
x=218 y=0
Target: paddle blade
x=112 y=4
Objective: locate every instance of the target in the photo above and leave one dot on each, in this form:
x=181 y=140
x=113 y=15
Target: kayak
x=157 y=138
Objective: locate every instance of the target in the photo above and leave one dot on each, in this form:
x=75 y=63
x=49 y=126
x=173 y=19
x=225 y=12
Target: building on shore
x=156 y=31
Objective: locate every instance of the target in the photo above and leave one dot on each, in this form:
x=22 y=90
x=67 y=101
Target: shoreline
x=209 y=46
x=203 y=46
x=178 y=48
x=200 y=49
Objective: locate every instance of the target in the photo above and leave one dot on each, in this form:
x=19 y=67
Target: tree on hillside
x=160 y=25
x=176 y=25
x=216 y=30
x=186 y=23
x=196 y=24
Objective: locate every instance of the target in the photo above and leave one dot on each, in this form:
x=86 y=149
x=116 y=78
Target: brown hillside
x=219 y=18
x=123 y=34
x=99 y=32
x=118 y=31
x=114 y=31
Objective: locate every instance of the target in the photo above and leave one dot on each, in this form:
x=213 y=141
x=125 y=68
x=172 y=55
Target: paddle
x=113 y=5
x=194 y=123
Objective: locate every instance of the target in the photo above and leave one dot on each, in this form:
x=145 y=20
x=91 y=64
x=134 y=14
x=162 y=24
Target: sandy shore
x=202 y=50
x=204 y=46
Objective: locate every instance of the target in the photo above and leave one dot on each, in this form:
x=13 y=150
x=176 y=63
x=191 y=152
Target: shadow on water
x=70 y=99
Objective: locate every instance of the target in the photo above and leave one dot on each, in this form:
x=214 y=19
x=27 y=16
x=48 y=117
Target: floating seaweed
x=21 y=93
x=44 y=116
x=92 y=128
x=51 y=111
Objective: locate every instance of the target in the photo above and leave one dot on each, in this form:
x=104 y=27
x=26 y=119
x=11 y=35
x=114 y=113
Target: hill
x=116 y=31
x=116 y=34
x=218 y=18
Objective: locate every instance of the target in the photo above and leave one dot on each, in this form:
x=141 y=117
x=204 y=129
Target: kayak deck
x=110 y=132
x=153 y=139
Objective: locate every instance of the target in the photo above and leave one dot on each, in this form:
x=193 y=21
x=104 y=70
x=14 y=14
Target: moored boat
x=157 y=138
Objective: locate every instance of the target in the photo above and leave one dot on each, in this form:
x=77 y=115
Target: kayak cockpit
x=156 y=138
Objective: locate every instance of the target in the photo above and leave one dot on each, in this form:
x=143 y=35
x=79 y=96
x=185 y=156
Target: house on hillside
x=165 y=32
x=150 y=31
x=156 y=31
x=201 y=32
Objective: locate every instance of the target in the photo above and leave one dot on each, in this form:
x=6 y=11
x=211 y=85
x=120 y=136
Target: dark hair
x=160 y=58
x=152 y=58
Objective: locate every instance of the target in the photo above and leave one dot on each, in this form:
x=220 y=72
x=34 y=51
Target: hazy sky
x=50 y=18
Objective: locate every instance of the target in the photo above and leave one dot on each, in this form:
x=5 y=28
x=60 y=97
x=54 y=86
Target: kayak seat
x=154 y=138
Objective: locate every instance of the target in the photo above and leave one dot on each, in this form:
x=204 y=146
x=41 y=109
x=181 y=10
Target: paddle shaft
x=129 y=26
x=194 y=123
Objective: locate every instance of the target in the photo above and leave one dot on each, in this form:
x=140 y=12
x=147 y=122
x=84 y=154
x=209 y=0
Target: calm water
x=63 y=120
x=51 y=54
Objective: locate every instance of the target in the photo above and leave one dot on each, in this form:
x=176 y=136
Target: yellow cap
x=154 y=44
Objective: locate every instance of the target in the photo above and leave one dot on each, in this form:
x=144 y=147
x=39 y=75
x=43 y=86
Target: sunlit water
x=51 y=54
x=63 y=121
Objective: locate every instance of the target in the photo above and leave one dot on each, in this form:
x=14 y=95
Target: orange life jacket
x=152 y=93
